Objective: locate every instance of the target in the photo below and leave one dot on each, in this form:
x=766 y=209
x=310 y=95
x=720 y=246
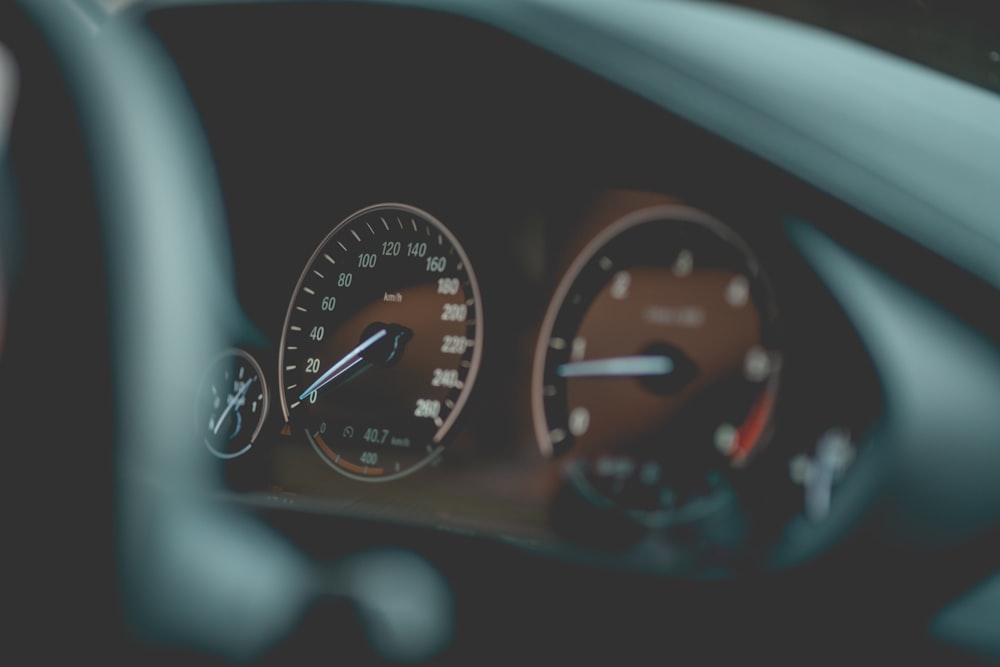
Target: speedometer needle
x=346 y=363
x=636 y=366
x=367 y=350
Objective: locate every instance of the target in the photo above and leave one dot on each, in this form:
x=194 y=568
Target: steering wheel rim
x=188 y=572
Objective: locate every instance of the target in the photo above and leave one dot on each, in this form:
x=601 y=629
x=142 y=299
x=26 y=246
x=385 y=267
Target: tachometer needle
x=346 y=363
x=642 y=365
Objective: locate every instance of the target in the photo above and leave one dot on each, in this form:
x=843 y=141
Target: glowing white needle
x=349 y=361
x=617 y=367
x=237 y=397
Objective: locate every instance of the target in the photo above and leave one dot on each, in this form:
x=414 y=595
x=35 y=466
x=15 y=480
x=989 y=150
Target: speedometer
x=382 y=343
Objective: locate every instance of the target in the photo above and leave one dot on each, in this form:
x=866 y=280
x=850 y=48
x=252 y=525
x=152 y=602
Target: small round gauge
x=232 y=404
x=382 y=343
x=656 y=369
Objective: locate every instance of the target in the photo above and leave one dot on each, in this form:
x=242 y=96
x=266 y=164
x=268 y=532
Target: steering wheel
x=119 y=294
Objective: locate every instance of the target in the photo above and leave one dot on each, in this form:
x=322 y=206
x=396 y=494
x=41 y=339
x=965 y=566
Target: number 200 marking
x=454 y=312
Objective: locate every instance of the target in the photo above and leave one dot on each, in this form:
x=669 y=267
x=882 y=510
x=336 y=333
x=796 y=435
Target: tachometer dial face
x=382 y=342
x=657 y=367
x=232 y=404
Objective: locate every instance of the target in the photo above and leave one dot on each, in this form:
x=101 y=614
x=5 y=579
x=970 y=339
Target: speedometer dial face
x=657 y=367
x=382 y=343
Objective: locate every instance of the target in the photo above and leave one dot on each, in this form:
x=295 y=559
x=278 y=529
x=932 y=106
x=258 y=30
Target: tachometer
x=382 y=342
x=657 y=366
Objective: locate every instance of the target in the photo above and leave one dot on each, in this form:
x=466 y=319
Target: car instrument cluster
x=650 y=384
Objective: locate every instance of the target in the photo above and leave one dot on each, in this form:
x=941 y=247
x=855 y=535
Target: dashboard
x=628 y=342
x=496 y=192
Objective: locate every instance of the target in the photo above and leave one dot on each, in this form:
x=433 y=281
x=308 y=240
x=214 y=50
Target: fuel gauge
x=232 y=403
